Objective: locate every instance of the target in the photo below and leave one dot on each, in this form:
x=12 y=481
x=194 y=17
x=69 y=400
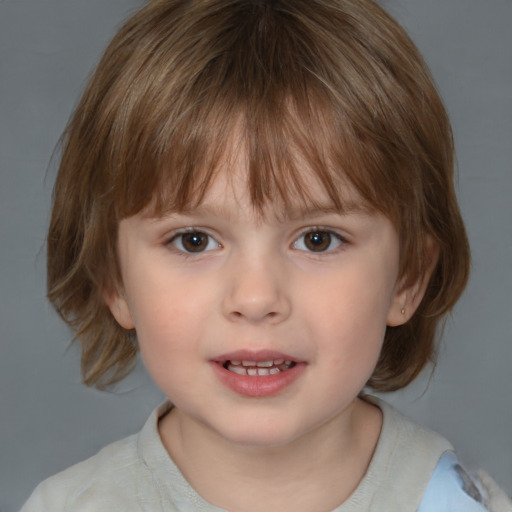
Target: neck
x=316 y=472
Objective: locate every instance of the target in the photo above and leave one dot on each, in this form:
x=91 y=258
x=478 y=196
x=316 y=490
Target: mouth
x=260 y=373
x=258 y=368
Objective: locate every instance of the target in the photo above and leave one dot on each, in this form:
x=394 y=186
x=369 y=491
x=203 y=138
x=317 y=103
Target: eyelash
x=178 y=236
x=333 y=237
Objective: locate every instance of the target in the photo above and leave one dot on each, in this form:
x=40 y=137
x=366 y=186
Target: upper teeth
x=270 y=367
x=261 y=364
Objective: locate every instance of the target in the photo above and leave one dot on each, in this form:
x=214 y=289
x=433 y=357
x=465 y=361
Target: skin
x=258 y=286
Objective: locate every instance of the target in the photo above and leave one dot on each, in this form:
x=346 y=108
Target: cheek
x=168 y=345
x=358 y=299
x=163 y=301
x=350 y=320
x=170 y=315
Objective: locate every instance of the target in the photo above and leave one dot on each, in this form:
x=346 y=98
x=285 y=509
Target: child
x=259 y=196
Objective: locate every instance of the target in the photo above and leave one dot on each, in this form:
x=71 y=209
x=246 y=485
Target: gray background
x=48 y=420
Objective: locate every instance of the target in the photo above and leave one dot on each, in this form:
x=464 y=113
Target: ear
x=118 y=305
x=409 y=294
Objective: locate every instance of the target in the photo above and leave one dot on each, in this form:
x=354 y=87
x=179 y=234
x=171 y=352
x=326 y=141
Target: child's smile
x=257 y=374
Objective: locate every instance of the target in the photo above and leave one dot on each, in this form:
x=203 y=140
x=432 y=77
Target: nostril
x=256 y=306
x=269 y=315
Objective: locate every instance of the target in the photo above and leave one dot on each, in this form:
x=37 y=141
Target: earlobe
x=405 y=304
x=120 y=310
x=409 y=295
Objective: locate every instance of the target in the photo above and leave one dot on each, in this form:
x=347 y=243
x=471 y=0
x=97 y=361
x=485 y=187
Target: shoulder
x=452 y=489
x=405 y=457
x=418 y=470
x=91 y=485
x=135 y=474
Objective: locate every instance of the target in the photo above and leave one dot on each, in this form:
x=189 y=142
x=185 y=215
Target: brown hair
x=333 y=83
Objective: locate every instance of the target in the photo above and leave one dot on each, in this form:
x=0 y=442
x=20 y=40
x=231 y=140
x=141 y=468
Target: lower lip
x=258 y=385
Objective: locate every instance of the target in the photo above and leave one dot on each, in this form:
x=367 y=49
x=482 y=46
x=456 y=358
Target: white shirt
x=137 y=474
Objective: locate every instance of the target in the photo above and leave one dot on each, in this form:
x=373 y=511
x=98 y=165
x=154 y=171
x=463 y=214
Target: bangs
x=285 y=151
x=255 y=84
x=286 y=144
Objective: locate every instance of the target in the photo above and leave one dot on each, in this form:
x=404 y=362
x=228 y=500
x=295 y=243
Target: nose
x=256 y=291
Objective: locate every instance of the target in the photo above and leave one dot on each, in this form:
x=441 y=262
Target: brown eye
x=318 y=240
x=194 y=241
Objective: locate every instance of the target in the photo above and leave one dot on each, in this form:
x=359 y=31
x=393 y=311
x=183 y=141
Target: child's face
x=219 y=285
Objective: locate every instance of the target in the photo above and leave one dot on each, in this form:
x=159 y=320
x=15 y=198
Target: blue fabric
x=451 y=489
